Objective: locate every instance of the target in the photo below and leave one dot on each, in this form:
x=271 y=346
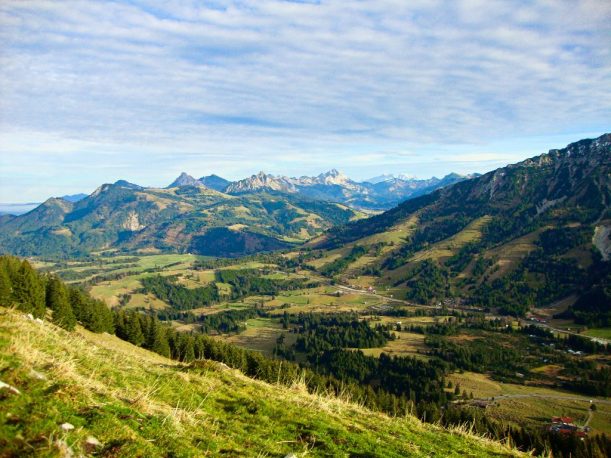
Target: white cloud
x=267 y=83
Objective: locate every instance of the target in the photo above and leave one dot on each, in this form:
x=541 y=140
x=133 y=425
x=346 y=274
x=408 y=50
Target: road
x=563 y=331
x=367 y=293
x=546 y=396
x=522 y=321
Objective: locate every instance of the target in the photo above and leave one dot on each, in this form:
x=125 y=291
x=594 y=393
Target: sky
x=96 y=91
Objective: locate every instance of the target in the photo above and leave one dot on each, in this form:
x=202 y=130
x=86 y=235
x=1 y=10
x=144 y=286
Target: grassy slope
x=139 y=404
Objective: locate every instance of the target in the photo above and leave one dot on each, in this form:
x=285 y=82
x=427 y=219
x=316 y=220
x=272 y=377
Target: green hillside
x=126 y=217
x=523 y=236
x=137 y=403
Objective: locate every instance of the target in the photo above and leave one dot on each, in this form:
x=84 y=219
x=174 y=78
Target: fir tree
x=133 y=329
x=29 y=290
x=160 y=344
x=156 y=338
x=120 y=322
x=6 y=288
x=57 y=300
x=187 y=349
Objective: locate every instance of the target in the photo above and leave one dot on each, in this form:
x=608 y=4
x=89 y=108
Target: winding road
x=546 y=396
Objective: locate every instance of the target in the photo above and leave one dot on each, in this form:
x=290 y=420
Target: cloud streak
x=225 y=86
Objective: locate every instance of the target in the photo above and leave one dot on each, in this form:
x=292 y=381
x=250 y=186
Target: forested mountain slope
x=180 y=219
x=526 y=234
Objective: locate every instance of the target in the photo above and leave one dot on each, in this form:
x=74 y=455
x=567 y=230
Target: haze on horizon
x=93 y=92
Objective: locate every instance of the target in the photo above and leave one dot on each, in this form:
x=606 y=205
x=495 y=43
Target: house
x=562 y=420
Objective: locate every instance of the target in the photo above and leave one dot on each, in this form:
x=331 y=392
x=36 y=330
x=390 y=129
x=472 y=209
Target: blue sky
x=91 y=92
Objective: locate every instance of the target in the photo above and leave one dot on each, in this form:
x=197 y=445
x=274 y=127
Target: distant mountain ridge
x=184 y=180
x=184 y=218
x=209 y=215
x=378 y=193
x=383 y=193
x=214 y=182
x=19 y=209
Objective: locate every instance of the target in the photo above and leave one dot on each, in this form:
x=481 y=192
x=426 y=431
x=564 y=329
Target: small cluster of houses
x=535 y=318
x=369 y=289
x=565 y=425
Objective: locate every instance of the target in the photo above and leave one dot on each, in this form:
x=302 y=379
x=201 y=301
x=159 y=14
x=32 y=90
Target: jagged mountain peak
x=331 y=173
x=333 y=176
x=184 y=179
x=260 y=181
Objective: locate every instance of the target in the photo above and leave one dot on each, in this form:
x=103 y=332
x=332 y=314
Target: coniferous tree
x=187 y=348
x=58 y=301
x=93 y=314
x=29 y=290
x=6 y=288
x=133 y=329
x=120 y=322
x=160 y=344
x=78 y=302
x=149 y=330
x=156 y=337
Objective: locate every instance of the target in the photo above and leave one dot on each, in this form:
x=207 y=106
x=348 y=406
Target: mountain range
x=183 y=218
x=447 y=220
x=210 y=215
x=531 y=233
x=379 y=193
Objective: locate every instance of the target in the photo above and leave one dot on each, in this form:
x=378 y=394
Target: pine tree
x=57 y=300
x=160 y=343
x=29 y=290
x=187 y=350
x=6 y=288
x=120 y=322
x=102 y=317
x=78 y=304
x=150 y=332
x=133 y=329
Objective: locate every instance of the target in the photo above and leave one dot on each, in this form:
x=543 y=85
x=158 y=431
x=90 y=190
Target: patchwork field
x=520 y=404
x=260 y=335
x=510 y=254
x=603 y=333
x=406 y=344
x=513 y=403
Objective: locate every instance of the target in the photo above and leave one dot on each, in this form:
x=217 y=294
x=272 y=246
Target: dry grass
x=406 y=344
x=140 y=404
x=450 y=246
